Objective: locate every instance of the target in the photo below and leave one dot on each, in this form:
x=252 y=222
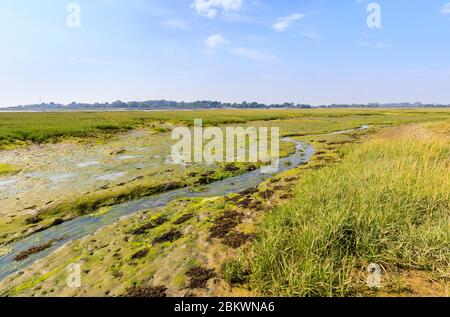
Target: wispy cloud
x=210 y=8
x=252 y=54
x=284 y=23
x=446 y=9
x=215 y=41
x=373 y=44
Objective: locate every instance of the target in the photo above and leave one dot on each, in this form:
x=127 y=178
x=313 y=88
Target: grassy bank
x=20 y=128
x=387 y=202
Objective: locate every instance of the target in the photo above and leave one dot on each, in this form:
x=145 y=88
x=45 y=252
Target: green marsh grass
x=18 y=128
x=387 y=202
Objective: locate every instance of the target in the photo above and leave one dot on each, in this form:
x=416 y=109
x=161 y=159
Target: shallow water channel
x=83 y=226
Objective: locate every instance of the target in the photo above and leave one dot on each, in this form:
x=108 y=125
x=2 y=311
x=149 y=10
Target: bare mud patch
x=140 y=254
x=237 y=239
x=156 y=291
x=33 y=250
x=150 y=225
x=225 y=224
x=170 y=236
x=183 y=219
x=199 y=277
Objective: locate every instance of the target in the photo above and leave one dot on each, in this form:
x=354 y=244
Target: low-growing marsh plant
x=235 y=272
x=7 y=169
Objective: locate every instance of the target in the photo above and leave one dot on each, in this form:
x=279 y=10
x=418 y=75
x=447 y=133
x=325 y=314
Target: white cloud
x=446 y=9
x=373 y=44
x=286 y=22
x=176 y=24
x=252 y=54
x=210 y=8
x=215 y=41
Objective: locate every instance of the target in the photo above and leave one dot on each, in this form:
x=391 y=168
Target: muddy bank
x=82 y=226
x=245 y=184
x=49 y=174
x=33 y=250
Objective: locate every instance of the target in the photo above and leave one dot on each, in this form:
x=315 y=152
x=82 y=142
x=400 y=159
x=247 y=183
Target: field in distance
x=19 y=128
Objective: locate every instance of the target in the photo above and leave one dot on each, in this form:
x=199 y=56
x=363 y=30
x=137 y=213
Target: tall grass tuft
x=387 y=202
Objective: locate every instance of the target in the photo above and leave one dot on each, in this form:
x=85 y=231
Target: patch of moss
x=38 y=279
x=180 y=279
x=101 y=211
x=7 y=169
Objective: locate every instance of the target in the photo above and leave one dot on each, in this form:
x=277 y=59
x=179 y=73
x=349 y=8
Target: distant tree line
x=387 y=105
x=156 y=105
x=205 y=104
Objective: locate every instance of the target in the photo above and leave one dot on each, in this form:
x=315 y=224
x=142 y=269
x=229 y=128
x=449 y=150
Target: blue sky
x=306 y=51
